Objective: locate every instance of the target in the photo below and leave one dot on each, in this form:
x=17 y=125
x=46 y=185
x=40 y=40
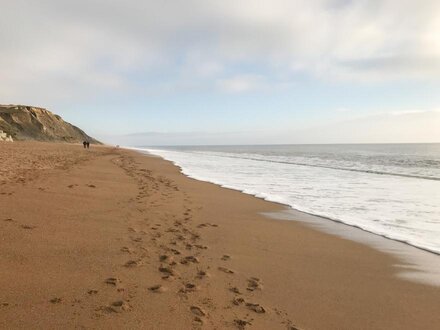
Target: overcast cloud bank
x=58 y=52
x=68 y=47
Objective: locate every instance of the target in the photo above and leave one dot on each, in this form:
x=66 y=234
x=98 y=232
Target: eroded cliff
x=34 y=123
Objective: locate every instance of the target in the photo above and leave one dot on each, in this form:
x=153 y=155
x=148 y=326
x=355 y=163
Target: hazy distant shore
x=107 y=238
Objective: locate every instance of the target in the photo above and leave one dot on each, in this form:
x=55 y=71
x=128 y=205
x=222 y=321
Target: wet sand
x=109 y=238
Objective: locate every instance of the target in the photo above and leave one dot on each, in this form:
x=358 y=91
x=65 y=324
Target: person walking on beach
x=85 y=144
x=88 y=144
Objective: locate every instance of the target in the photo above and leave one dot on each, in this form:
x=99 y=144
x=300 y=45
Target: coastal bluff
x=24 y=123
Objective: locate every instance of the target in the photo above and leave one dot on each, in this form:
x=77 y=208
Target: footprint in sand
x=91 y=186
x=174 y=251
x=195 y=237
x=198 y=321
x=92 y=292
x=241 y=324
x=203 y=225
x=164 y=258
x=132 y=263
x=112 y=281
x=168 y=272
x=238 y=301
x=56 y=300
x=157 y=288
x=126 y=249
x=8 y=219
x=156 y=235
x=226 y=257
x=189 y=287
x=256 y=308
x=226 y=270
x=28 y=227
x=168 y=259
x=117 y=306
x=197 y=311
x=189 y=259
x=254 y=283
x=235 y=290
x=202 y=274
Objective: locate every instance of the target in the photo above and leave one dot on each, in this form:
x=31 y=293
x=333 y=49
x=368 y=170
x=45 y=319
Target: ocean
x=392 y=190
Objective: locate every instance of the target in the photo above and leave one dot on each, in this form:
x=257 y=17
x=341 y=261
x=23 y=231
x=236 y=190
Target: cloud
x=243 y=83
x=69 y=49
x=396 y=67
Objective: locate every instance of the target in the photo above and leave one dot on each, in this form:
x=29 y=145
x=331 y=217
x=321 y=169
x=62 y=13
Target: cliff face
x=32 y=123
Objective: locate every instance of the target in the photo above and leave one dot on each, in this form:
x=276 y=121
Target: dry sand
x=108 y=238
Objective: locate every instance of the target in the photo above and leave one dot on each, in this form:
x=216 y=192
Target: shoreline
x=289 y=207
x=416 y=264
x=114 y=238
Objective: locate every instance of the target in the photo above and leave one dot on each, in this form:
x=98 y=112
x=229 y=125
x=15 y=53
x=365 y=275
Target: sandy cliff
x=33 y=123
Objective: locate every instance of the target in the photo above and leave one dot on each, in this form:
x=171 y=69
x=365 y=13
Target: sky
x=228 y=72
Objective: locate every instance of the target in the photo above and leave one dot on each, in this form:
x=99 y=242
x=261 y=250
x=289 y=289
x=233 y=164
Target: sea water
x=391 y=190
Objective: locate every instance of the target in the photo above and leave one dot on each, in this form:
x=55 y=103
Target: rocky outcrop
x=5 y=137
x=19 y=122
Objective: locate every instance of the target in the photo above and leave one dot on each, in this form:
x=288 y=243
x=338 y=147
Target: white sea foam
x=387 y=191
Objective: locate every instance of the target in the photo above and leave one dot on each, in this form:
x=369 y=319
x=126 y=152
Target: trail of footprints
x=16 y=223
x=180 y=250
x=173 y=245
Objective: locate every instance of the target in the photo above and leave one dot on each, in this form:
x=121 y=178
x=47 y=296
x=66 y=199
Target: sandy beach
x=109 y=238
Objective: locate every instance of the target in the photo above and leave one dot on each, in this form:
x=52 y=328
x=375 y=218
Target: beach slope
x=109 y=238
